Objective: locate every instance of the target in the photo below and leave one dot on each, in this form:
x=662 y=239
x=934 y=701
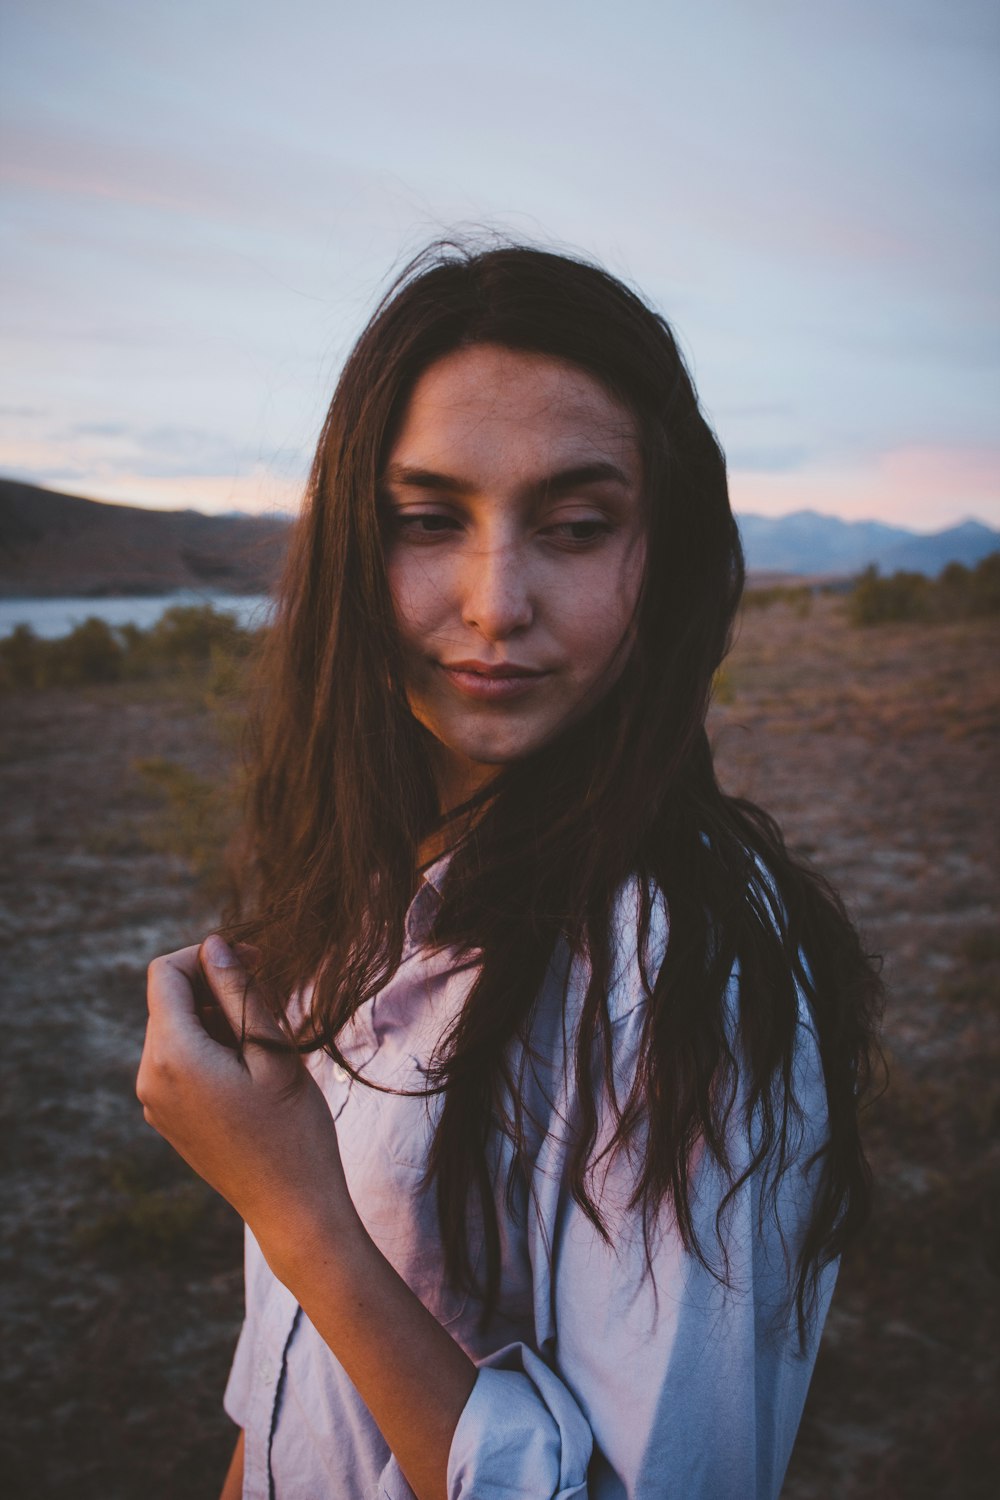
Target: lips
x=491 y=682
x=494 y=669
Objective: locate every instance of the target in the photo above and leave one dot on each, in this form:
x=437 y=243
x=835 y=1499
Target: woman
x=555 y=1205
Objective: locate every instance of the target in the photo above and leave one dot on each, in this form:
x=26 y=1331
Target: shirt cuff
x=521 y=1433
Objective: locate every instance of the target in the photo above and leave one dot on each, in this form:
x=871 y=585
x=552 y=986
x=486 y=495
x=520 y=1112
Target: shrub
x=958 y=593
x=21 y=656
x=189 y=634
x=984 y=586
x=876 y=601
x=187 y=639
x=798 y=597
x=90 y=653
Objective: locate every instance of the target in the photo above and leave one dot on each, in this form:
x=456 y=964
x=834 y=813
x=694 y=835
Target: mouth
x=491 y=682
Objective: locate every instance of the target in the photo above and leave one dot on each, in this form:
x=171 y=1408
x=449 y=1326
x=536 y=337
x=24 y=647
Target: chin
x=495 y=757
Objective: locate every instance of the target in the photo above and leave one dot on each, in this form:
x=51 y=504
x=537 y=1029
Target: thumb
x=237 y=1006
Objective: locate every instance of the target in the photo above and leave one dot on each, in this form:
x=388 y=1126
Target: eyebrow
x=562 y=482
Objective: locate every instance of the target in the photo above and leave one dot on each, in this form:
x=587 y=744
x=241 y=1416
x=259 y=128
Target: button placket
x=268 y=1369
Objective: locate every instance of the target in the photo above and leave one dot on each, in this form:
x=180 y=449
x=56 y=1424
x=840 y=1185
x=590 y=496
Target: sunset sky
x=202 y=200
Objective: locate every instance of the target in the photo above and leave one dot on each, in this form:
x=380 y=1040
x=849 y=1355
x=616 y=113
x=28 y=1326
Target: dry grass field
x=877 y=748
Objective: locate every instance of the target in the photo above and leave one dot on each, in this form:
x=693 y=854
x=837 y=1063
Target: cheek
x=417 y=597
x=602 y=615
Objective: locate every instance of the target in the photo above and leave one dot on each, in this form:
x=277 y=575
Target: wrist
x=312 y=1249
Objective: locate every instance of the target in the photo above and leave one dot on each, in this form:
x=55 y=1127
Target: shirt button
x=341 y=1074
x=264 y=1370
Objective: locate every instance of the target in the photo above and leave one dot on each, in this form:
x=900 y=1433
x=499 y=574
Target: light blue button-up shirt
x=598 y=1380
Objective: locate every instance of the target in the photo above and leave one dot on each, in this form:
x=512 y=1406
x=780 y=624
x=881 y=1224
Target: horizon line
x=277 y=511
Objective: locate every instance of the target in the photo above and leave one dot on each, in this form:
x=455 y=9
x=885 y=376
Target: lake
x=51 y=618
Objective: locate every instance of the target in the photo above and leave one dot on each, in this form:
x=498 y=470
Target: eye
x=422 y=525
x=582 y=533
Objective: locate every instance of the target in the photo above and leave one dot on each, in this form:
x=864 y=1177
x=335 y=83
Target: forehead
x=489 y=404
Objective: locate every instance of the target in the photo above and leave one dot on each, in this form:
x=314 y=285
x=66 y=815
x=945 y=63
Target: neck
x=455 y=792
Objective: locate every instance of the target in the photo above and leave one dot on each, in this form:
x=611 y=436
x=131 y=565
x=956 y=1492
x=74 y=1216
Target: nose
x=496 y=591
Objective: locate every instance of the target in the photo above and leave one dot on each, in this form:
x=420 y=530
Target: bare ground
x=122 y=1276
x=877 y=749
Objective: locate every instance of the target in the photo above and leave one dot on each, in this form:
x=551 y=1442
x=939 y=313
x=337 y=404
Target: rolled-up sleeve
x=521 y=1434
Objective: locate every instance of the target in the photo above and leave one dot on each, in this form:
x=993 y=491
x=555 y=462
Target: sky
x=201 y=202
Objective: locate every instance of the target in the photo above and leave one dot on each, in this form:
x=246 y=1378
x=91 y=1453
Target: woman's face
x=515 y=544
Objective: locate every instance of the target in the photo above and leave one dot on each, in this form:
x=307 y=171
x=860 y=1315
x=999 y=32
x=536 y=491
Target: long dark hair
x=343 y=800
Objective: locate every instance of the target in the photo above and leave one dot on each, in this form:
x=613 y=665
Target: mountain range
x=807 y=543
x=54 y=545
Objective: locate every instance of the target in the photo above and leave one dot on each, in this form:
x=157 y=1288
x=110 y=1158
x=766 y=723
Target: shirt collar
x=426 y=903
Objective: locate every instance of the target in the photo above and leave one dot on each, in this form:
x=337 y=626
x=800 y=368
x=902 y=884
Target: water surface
x=51 y=618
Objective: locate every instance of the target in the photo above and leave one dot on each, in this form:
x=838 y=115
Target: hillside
x=52 y=545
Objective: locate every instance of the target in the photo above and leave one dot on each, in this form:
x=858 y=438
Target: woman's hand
x=254 y=1125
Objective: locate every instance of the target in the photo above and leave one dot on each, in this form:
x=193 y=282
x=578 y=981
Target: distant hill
x=53 y=545
x=808 y=543
x=968 y=543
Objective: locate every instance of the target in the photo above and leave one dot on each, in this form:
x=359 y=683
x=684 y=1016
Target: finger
x=240 y=1003
x=210 y=1013
x=175 y=1039
x=169 y=988
x=168 y=978
x=182 y=1003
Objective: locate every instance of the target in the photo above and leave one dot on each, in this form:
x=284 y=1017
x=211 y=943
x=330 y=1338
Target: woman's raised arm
x=258 y=1129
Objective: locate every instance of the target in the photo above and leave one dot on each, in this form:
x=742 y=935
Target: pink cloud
x=103 y=472
x=927 y=487
x=109 y=170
